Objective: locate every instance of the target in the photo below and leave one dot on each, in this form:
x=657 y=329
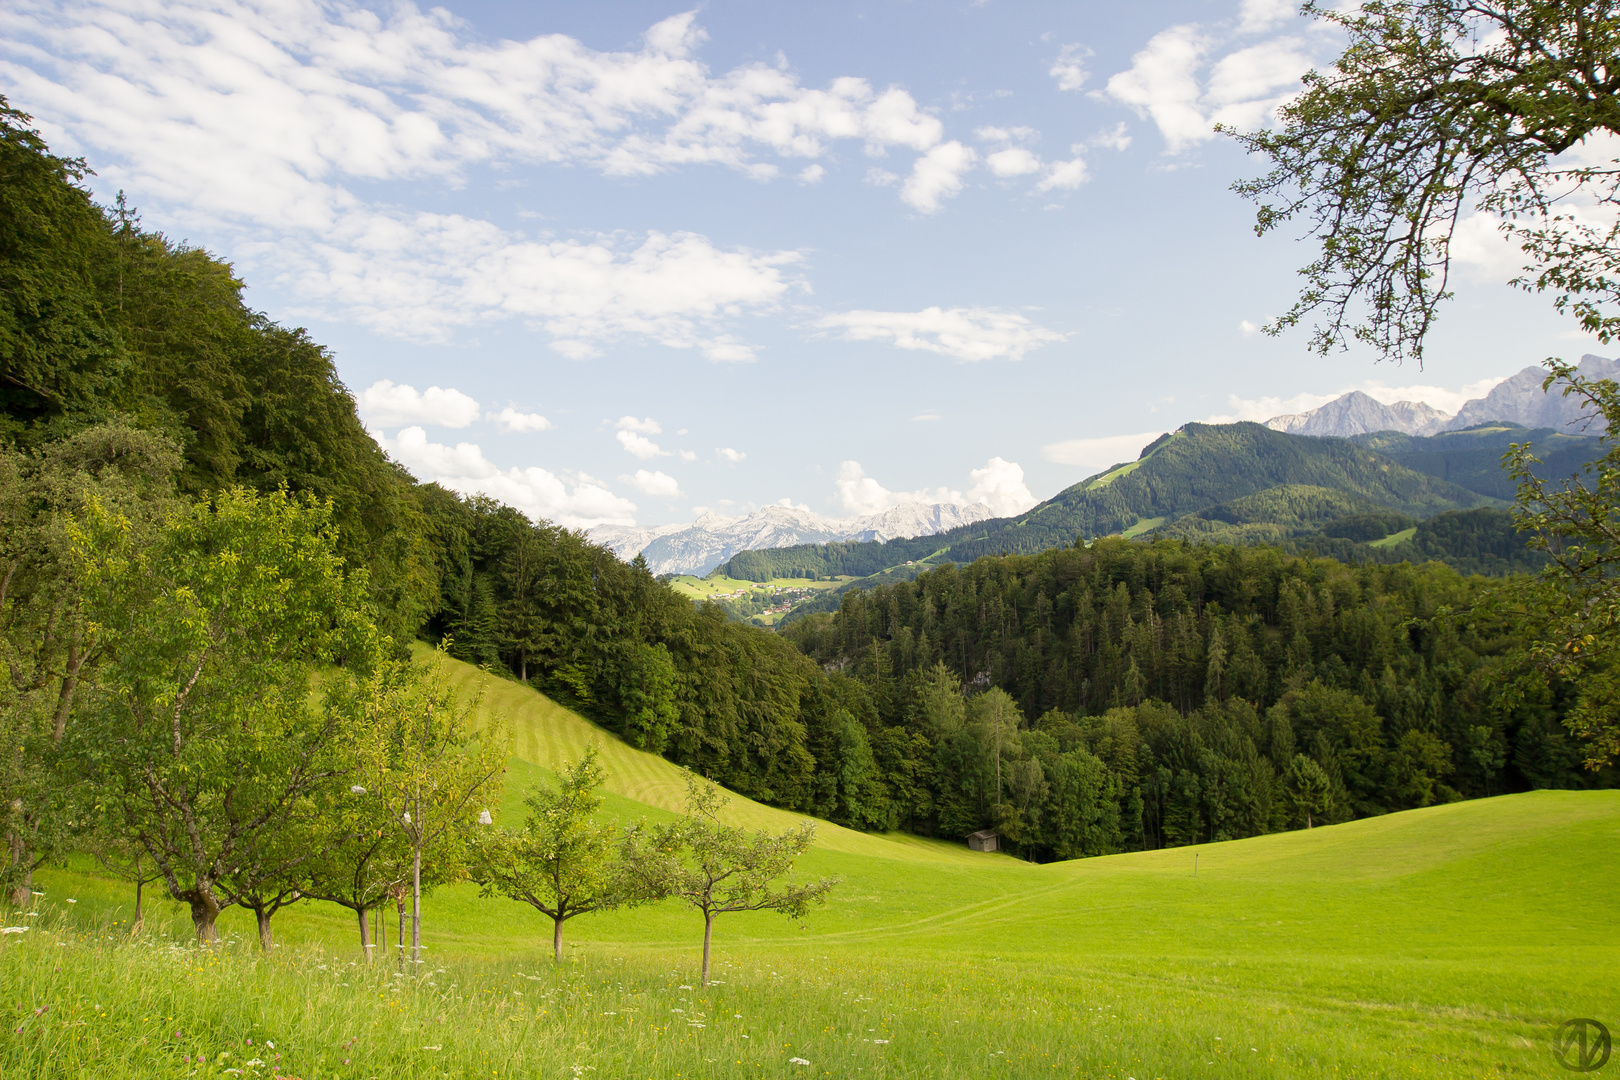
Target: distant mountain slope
x=1193 y=469
x=1521 y=400
x=709 y=541
x=1357 y=414
x=1473 y=458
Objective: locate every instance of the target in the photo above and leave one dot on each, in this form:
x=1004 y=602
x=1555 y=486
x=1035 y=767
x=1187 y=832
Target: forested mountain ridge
x=1190 y=470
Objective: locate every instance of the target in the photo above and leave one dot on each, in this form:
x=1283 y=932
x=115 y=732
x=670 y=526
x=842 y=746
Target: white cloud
x=512 y=422
x=1005 y=135
x=728 y=454
x=1116 y=138
x=386 y=404
x=999 y=485
x=1095 y=454
x=639 y=445
x=812 y=174
x=924 y=417
x=1065 y=174
x=1068 y=69
x=1015 y=161
x=269 y=124
x=644 y=426
x=881 y=177
x=1172 y=82
x=537 y=492
x=937 y=175
x=686 y=455
x=658 y=484
x=1257 y=16
x=962 y=333
x=1247 y=328
x=791 y=505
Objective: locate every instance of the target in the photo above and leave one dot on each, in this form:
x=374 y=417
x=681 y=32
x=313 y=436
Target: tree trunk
x=266 y=942
x=399 y=901
x=416 y=907
x=204 y=911
x=556 y=939
x=382 y=932
x=708 y=932
x=365 y=934
x=140 y=920
x=22 y=897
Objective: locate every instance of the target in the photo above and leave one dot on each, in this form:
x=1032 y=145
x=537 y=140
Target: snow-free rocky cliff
x=1519 y=399
x=700 y=546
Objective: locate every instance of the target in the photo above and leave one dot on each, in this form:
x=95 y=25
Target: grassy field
x=1445 y=942
x=707 y=587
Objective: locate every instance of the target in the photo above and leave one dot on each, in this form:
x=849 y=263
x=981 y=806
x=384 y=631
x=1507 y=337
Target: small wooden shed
x=984 y=840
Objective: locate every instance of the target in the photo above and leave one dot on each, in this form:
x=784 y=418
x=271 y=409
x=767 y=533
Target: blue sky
x=630 y=262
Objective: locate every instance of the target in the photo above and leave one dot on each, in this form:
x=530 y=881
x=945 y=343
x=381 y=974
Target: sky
x=631 y=263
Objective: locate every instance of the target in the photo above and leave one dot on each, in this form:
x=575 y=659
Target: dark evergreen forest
x=1081 y=700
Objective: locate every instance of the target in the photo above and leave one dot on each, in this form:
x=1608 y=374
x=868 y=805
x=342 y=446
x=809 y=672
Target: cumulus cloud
x=726 y=453
x=1065 y=174
x=1068 y=69
x=540 y=493
x=641 y=426
x=639 y=445
x=1247 y=328
x=1095 y=454
x=960 y=333
x=387 y=404
x=269 y=124
x=999 y=485
x=1174 y=82
x=1014 y=161
x=658 y=484
x=512 y=422
x=937 y=176
x=812 y=174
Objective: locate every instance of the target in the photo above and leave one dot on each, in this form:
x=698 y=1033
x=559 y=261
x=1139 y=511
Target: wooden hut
x=984 y=840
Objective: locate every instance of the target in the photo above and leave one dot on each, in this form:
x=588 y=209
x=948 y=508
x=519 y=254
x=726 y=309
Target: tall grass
x=92 y=1001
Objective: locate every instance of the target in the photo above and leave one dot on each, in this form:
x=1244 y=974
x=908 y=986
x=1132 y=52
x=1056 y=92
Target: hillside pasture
x=1443 y=942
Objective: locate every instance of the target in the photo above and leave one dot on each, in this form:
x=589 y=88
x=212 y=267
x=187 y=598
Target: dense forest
x=1081 y=700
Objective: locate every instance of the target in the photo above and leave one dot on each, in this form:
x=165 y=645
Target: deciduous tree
x=719 y=868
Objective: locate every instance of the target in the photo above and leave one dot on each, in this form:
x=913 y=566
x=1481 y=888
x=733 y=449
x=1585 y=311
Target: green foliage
x=205 y=744
x=1195 y=674
x=720 y=869
x=563 y=863
x=1574 y=606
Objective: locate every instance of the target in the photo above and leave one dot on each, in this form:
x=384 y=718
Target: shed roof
x=984 y=834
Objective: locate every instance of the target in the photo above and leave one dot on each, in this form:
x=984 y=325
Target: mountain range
x=1519 y=400
x=699 y=546
x=1274 y=489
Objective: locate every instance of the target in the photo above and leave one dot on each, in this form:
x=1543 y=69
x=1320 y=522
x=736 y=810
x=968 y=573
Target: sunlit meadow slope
x=1438 y=942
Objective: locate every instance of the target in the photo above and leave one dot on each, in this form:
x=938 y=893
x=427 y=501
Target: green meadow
x=1444 y=942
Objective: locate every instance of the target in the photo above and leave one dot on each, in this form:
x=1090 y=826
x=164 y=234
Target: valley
x=1429 y=943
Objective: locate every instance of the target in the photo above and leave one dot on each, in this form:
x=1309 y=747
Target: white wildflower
x=13 y=929
x=356 y=789
x=797 y=1061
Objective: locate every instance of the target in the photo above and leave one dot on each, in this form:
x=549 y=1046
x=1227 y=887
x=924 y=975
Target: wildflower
x=13 y=929
x=797 y=1061
x=73 y=901
x=880 y=1040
